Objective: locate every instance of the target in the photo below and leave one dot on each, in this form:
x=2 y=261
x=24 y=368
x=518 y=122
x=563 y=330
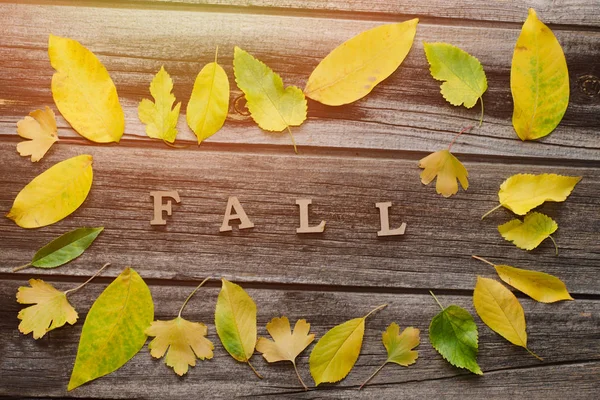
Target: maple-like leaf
x=529 y=233
x=51 y=308
x=447 y=168
x=159 y=116
x=40 y=127
x=181 y=339
x=399 y=347
x=286 y=345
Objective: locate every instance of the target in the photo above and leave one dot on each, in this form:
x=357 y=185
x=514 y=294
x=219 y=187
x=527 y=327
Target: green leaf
x=113 y=331
x=530 y=232
x=64 y=248
x=463 y=76
x=453 y=333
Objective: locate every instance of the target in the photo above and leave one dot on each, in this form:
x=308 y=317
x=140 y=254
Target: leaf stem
x=436 y=300
x=299 y=377
x=21 y=267
x=484 y=260
x=293 y=140
x=190 y=296
x=381 y=307
x=491 y=211
x=216 y=53
x=555 y=245
x=88 y=281
x=468 y=128
x=253 y=370
x=533 y=354
x=373 y=375
x=481 y=118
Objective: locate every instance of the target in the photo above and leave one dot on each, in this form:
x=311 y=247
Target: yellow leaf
x=500 y=310
x=160 y=117
x=209 y=103
x=272 y=107
x=447 y=168
x=40 y=127
x=539 y=80
x=51 y=310
x=235 y=320
x=54 y=194
x=355 y=67
x=335 y=354
x=529 y=233
x=84 y=92
x=285 y=346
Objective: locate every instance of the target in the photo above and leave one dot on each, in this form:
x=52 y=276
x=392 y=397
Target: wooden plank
x=435 y=252
x=565 y=334
x=406 y=112
x=566 y=12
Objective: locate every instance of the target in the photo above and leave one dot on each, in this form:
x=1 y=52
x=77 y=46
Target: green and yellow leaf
x=40 y=127
x=159 y=116
x=529 y=233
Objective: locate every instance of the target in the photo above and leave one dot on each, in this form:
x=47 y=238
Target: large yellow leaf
x=159 y=116
x=529 y=233
x=539 y=80
x=54 y=194
x=84 y=92
x=499 y=309
x=355 y=67
x=335 y=354
x=447 y=168
x=40 y=127
x=209 y=103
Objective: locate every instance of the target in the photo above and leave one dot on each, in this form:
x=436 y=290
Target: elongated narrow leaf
x=529 y=233
x=113 y=331
x=356 y=66
x=209 y=103
x=539 y=286
x=160 y=117
x=84 y=92
x=539 y=80
x=54 y=194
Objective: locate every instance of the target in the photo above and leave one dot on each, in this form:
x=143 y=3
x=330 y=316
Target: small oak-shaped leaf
x=335 y=354
x=500 y=310
x=159 y=116
x=447 y=168
x=399 y=347
x=181 y=339
x=40 y=127
x=530 y=232
x=286 y=345
x=453 y=333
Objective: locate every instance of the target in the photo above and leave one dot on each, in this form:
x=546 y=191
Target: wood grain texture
x=405 y=112
x=565 y=334
x=435 y=252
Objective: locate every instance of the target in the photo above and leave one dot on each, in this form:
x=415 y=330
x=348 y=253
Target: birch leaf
x=159 y=116
x=40 y=127
x=113 y=331
x=523 y=192
x=286 y=345
x=54 y=194
x=235 y=320
x=500 y=310
x=447 y=168
x=273 y=107
x=529 y=233
x=539 y=80
x=335 y=354
x=84 y=92
x=462 y=74
x=356 y=66
x=209 y=102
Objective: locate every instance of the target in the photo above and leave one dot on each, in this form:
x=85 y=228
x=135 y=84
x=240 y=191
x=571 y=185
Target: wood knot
x=590 y=85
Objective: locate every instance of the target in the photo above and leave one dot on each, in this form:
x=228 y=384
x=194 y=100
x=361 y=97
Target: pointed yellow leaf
x=400 y=346
x=54 y=194
x=523 y=192
x=285 y=345
x=40 y=127
x=539 y=286
x=500 y=310
x=160 y=117
x=51 y=308
x=530 y=232
x=84 y=92
x=209 y=103
x=184 y=340
x=356 y=66
x=447 y=168
x=539 y=80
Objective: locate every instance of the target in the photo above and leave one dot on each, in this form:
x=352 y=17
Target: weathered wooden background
x=350 y=158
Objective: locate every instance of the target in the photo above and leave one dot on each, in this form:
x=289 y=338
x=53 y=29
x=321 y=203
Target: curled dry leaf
x=40 y=127
x=159 y=116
